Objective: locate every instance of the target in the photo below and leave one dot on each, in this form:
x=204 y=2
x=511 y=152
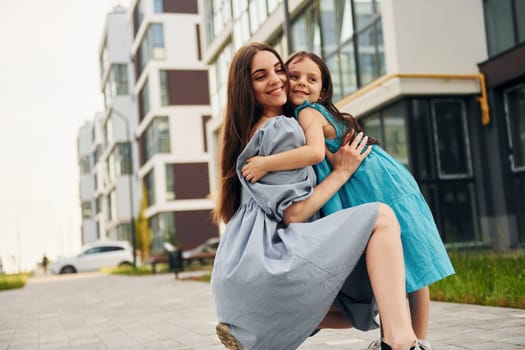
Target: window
x=218 y=15
x=123 y=163
x=389 y=128
x=124 y=232
x=170 y=182
x=156 y=138
x=149 y=182
x=120 y=76
x=98 y=204
x=87 y=212
x=163 y=230
x=158 y=6
x=504 y=24
x=144 y=103
x=352 y=40
x=515 y=114
x=84 y=165
x=306 y=32
x=152 y=46
x=451 y=138
x=218 y=74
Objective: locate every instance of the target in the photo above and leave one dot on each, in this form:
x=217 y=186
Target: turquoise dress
x=381 y=178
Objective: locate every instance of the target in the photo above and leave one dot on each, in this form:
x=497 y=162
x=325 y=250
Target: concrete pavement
x=97 y=311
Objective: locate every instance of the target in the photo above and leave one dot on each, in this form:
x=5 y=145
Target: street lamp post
x=132 y=197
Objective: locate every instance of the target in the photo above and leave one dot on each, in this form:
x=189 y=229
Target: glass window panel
x=451 y=138
x=87 y=212
x=457 y=205
x=123 y=159
x=380 y=56
x=261 y=11
x=84 y=165
x=422 y=140
x=170 y=182
x=347 y=24
x=367 y=56
x=158 y=6
x=120 y=75
x=254 y=22
x=164 y=135
x=520 y=16
x=299 y=34
x=328 y=25
x=164 y=90
x=364 y=13
x=519 y=190
x=515 y=114
x=333 y=65
x=498 y=20
x=156 y=36
x=149 y=182
x=395 y=141
x=348 y=68
x=124 y=232
x=372 y=126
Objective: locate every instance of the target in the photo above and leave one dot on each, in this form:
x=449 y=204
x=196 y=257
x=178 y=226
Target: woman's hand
x=349 y=156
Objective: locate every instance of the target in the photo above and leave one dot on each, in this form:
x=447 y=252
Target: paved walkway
x=95 y=311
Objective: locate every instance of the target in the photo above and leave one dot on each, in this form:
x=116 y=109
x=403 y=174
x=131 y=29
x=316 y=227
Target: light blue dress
x=273 y=283
x=381 y=178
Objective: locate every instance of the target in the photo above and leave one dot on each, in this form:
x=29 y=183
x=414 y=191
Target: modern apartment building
x=441 y=85
x=172 y=97
x=107 y=150
x=86 y=182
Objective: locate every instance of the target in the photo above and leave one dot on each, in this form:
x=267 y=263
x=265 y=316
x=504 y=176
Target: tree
x=143 y=231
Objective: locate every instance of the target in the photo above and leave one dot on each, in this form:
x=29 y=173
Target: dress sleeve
x=277 y=190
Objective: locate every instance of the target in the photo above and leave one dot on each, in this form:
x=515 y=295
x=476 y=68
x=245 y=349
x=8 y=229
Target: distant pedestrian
x=45 y=262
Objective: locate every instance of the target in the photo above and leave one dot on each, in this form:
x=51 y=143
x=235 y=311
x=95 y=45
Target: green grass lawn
x=13 y=281
x=484 y=278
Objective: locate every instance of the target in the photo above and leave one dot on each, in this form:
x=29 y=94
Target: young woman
x=379 y=178
x=280 y=273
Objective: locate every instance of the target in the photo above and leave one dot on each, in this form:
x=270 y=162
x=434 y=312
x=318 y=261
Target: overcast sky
x=49 y=86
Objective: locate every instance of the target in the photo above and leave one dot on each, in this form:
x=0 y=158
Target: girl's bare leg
x=419 y=302
x=386 y=270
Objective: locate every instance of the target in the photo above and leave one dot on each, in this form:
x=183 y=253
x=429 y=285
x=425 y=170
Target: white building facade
x=417 y=76
x=172 y=96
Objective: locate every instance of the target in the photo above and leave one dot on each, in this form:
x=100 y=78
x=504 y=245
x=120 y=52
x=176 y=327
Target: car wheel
x=68 y=269
x=125 y=264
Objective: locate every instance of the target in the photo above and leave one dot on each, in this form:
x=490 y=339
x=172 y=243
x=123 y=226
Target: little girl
x=380 y=178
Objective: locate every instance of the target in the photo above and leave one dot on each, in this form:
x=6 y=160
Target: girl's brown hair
x=241 y=114
x=348 y=121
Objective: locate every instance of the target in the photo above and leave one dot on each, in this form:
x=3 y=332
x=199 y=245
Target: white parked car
x=94 y=256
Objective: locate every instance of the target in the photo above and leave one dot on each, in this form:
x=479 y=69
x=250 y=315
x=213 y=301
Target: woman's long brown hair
x=241 y=114
x=348 y=121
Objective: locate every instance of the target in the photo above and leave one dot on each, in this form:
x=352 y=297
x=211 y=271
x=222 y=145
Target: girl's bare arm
x=312 y=153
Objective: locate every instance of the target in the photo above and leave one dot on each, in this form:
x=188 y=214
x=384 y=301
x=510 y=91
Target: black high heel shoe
x=415 y=346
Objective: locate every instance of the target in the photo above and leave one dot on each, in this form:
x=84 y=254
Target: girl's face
x=305 y=81
x=269 y=82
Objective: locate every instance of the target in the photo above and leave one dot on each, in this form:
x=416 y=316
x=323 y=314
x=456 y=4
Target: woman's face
x=269 y=82
x=306 y=82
